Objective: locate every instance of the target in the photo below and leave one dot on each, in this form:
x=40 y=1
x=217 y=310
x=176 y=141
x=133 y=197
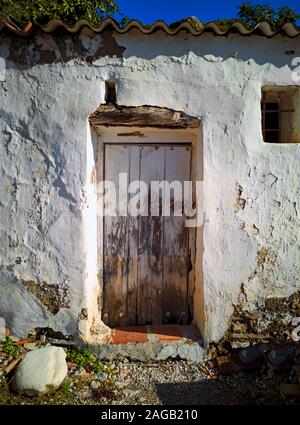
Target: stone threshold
x=146 y=343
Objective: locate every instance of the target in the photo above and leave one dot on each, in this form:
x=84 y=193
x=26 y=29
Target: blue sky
x=149 y=11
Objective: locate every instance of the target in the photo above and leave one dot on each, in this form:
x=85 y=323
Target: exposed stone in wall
x=53 y=297
x=240 y=202
x=271 y=323
x=83 y=314
x=277 y=316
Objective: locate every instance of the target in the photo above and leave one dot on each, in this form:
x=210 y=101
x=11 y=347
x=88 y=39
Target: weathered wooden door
x=146 y=261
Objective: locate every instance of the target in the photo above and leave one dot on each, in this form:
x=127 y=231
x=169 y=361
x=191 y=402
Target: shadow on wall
x=88 y=46
x=262 y=50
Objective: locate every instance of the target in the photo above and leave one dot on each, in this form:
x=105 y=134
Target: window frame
x=279 y=92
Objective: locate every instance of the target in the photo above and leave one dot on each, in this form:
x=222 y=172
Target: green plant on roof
x=69 y=11
x=251 y=15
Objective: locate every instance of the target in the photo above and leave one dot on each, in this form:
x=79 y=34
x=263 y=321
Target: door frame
x=137 y=135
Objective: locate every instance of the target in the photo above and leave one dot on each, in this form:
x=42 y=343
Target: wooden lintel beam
x=142 y=116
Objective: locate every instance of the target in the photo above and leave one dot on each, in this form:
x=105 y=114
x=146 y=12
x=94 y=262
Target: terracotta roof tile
x=263 y=28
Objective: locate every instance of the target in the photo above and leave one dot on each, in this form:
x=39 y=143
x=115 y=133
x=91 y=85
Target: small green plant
x=65 y=388
x=9 y=347
x=4 y=390
x=5 y=384
x=81 y=358
x=109 y=369
x=106 y=373
x=97 y=366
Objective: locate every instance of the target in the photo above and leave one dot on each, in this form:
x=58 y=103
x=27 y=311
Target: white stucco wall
x=45 y=168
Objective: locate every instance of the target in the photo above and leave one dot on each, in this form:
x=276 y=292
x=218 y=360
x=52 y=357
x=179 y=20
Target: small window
x=278 y=118
x=111 y=92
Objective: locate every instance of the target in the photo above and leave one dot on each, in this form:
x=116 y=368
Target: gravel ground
x=182 y=383
x=124 y=382
x=173 y=382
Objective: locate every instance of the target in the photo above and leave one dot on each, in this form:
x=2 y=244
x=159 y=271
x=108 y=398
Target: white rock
x=41 y=371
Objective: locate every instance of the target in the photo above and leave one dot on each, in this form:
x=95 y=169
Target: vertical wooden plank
x=133 y=241
x=115 y=244
x=176 y=243
x=150 y=243
x=100 y=219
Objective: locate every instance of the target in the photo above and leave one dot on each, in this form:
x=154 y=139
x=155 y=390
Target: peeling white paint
x=47 y=202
